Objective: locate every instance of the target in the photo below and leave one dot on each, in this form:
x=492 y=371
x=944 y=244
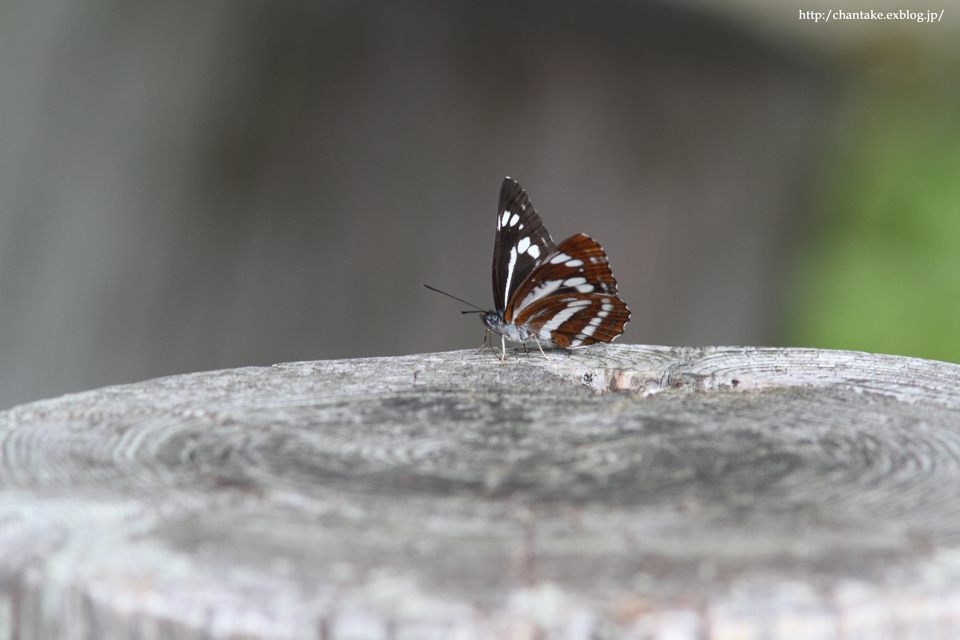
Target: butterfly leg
x=486 y=334
x=541 y=349
x=503 y=348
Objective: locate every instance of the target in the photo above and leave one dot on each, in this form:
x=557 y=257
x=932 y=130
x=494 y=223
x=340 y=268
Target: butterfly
x=559 y=295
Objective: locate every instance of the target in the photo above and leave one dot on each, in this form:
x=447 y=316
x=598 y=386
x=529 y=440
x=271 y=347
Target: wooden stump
x=612 y=492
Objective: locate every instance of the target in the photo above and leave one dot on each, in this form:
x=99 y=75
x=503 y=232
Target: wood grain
x=611 y=492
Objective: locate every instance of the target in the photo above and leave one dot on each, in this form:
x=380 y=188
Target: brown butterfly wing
x=570 y=299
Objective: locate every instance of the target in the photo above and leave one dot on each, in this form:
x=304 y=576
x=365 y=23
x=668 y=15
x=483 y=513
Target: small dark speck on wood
x=610 y=492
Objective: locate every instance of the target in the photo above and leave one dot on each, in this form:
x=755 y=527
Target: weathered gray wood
x=612 y=492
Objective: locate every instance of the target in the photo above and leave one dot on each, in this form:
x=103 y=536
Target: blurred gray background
x=198 y=185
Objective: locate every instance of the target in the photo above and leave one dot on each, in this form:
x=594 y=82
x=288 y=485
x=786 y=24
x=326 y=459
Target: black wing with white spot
x=521 y=243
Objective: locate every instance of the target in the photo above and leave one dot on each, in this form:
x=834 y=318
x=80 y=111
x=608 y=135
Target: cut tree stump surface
x=611 y=492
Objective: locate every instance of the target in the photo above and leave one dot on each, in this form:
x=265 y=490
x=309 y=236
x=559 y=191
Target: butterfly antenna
x=478 y=309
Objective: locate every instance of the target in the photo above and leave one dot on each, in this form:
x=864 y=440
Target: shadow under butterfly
x=560 y=295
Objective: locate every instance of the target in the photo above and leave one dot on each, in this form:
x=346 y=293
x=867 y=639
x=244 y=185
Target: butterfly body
x=495 y=323
x=559 y=295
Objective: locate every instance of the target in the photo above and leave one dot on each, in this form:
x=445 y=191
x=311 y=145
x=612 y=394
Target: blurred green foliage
x=881 y=272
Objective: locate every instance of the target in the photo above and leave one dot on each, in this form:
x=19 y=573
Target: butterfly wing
x=521 y=242
x=570 y=299
x=577 y=320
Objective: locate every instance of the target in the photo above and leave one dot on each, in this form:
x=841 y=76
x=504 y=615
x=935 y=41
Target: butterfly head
x=496 y=323
x=493 y=320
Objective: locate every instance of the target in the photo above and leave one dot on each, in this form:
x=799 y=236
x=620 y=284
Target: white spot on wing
x=514 y=219
x=560 y=257
x=561 y=317
x=573 y=282
x=573 y=306
x=542 y=291
x=585 y=288
x=557 y=320
x=574 y=263
x=513 y=262
x=523 y=245
x=533 y=251
x=504 y=218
